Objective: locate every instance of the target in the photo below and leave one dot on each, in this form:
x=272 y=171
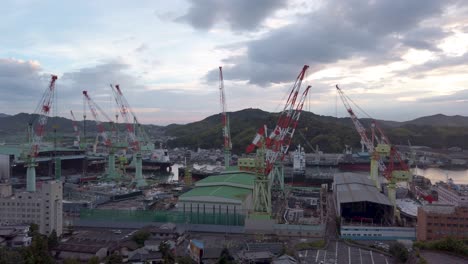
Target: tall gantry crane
x=96 y=111
x=380 y=146
x=274 y=147
x=37 y=132
x=77 y=142
x=376 y=152
x=126 y=111
x=225 y=121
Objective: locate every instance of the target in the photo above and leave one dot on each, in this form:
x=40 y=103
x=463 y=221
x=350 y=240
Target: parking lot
x=339 y=252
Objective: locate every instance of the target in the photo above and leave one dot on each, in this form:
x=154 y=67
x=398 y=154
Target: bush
x=448 y=244
x=310 y=245
x=399 y=251
x=140 y=237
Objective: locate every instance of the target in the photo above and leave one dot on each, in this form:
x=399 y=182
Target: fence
x=199 y=218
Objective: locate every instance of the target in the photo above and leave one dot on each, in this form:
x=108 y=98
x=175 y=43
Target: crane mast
x=77 y=142
x=37 y=133
x=225 y=121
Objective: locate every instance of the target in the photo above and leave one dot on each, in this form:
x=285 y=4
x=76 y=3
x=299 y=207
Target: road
x=339 y=253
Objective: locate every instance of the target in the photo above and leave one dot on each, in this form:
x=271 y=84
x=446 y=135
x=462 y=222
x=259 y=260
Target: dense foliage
x=399 y=251
x=448 y=244
x=140 y=237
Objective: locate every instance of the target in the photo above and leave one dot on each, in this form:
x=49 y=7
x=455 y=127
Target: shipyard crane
x=126 y=111
x=274 y=147
x=225 y=121
x=96 y=111
x=37 y=132
x=375 y=151
x=77 y=142
x=380 y=146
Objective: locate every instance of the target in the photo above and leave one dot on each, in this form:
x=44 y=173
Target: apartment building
x=43 y=207
x=436 y=221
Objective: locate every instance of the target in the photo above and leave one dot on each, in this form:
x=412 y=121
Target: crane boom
x=224 y=120
x=357 y=124
x=43 y=110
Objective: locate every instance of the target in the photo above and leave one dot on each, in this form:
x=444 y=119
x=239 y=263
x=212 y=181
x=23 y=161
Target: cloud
x=456 y=97
x=373 y=31
x=20 y=81
x=142 y=47
x=240 y=15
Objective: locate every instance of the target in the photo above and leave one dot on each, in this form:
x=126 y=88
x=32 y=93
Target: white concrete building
x=43 y=207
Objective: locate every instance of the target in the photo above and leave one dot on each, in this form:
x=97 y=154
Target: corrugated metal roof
x=353 y=187
x=227 y=192
x=233 y=179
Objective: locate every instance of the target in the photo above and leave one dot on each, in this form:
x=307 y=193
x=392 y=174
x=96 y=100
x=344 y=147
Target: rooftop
x=227 y=192
x=438 y=208
x=353 y=187
x=233 y=179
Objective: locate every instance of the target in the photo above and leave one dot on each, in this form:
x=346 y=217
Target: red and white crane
x=95 y=111
x=38 y=131
x=224 y=121
x=135 y=144
x=277 y=143
x=77 y=142
x=360 y=129
x=126 y=111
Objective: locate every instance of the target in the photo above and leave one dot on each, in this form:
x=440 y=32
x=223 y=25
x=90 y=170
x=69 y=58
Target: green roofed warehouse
x=226 y=193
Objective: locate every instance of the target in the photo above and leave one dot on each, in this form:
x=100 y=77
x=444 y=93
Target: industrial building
x=365 y=213
x=227 y=193
x=437 y=221
x=357 y=199
x=43 y=207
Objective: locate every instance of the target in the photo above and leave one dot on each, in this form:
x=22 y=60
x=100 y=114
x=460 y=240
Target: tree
x=52 y=240
x=184 y=260
x=71 y=261
x=167 y=255
x=140 y=237
x=33 y=230
x=38 y=251
x=10 y=256
x=114 y=259
x=93 y=260
x=226 y=257
x=399 y=251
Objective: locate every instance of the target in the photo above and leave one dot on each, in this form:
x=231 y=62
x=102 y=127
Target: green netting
x=162 y=216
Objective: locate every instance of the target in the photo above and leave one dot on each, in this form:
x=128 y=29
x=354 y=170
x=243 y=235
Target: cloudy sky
x=397 y=59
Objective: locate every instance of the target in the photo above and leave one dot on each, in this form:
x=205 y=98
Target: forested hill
x=328 y=133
